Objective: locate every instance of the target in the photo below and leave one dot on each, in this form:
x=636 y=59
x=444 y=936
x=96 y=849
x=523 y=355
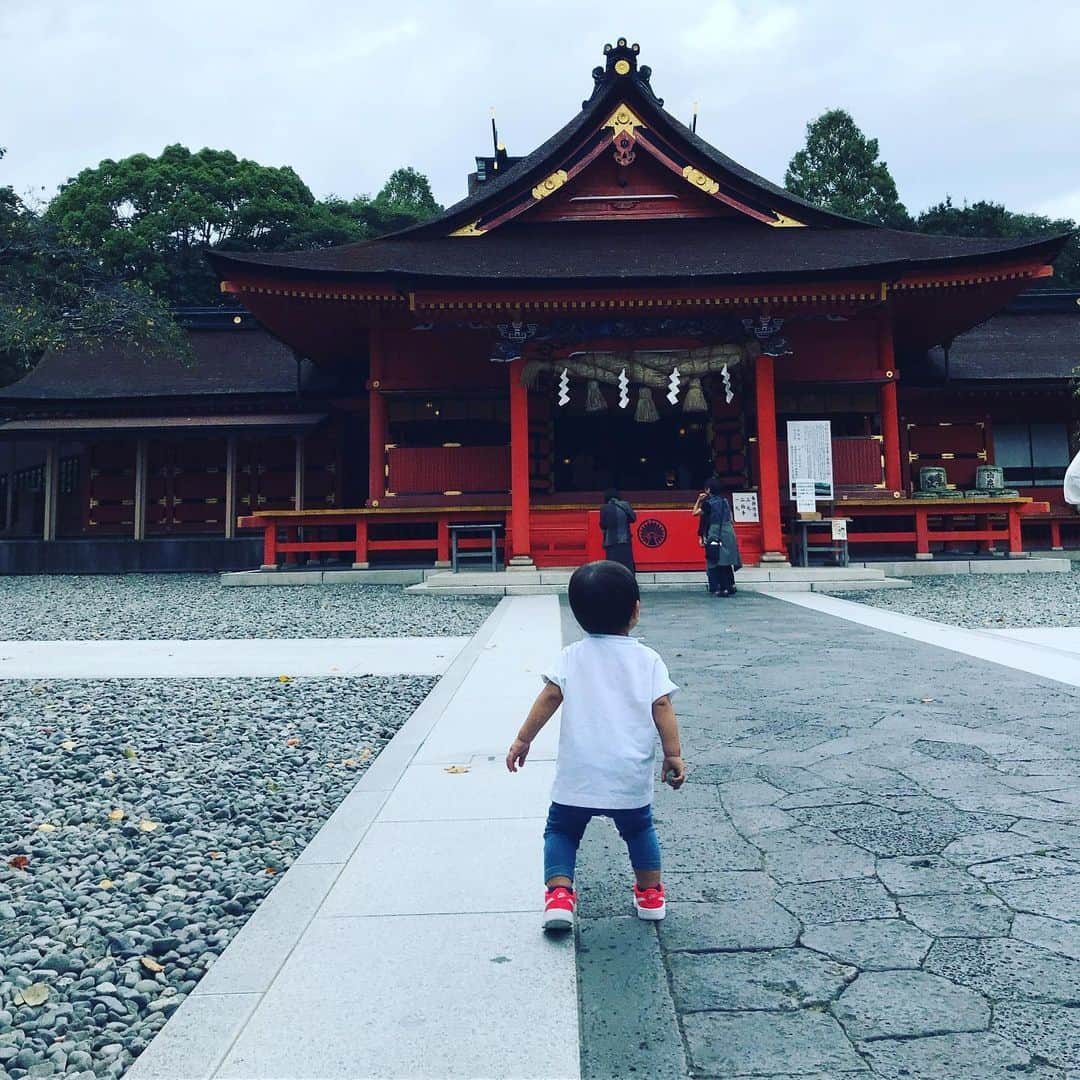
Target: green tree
x=991 y=219
x=55 y=294
x=151 y=219
x=405 y=199
x=839 y=170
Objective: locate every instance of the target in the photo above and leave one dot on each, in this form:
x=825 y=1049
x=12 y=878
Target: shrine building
x=623 y=307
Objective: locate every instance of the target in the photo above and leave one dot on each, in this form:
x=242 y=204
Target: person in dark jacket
x=615 y=517
x=716 y=530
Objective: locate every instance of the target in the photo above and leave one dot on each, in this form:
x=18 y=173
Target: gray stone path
x=874 y=869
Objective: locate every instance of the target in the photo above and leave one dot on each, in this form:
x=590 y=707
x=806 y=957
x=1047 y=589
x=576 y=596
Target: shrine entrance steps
x=857 y=577
x=749 y=579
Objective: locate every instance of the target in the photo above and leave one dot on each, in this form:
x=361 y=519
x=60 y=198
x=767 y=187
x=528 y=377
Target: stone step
x=939 y=566
x=860 y=586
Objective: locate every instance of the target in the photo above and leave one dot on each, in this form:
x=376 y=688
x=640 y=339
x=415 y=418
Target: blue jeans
x=566 y=826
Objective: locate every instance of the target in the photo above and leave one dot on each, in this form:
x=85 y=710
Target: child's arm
x=543 y=708
x=663 y=714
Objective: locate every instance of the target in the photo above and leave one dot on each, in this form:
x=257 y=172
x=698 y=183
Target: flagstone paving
x=874 y=869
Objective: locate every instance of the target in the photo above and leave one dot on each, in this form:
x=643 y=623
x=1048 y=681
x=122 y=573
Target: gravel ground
x=191 y=606
x=979 y=600
x=141 y=822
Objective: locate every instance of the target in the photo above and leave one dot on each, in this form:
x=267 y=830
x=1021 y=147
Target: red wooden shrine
x=512 y=358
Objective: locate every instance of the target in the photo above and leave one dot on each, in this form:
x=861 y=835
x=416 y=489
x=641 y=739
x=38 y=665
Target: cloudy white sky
x=974 y=98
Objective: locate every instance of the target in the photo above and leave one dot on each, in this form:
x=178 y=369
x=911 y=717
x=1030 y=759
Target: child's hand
x=673 y=771
x=519 y=751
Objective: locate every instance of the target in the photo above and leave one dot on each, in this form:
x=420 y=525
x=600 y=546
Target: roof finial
x=693 y=122
x=621 y=63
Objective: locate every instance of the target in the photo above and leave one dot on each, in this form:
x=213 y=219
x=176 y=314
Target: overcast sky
x=973 y=98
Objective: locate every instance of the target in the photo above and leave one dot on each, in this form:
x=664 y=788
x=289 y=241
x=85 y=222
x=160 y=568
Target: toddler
x=615 y=695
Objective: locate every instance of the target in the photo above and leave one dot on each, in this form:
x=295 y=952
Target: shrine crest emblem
x=652 y=533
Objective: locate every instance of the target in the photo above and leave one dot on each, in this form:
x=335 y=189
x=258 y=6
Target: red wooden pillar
x=890 y=419
x=442 y=542
x=376 y=424
x=922 y=534
x=768 y=464
x=270 y=556
x=520 y=545
x=360 y=552
x=1016 y=539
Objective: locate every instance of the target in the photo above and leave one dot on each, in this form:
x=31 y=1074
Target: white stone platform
x=859 y=576
x=227 y=658
x=749 y=579
x=405 y=941
x=1049 y=653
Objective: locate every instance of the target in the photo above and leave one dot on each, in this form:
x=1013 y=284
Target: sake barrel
x=989 y=478
x=933 y=478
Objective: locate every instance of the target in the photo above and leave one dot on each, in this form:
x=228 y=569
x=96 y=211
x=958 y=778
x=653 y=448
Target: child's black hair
x=602 y=597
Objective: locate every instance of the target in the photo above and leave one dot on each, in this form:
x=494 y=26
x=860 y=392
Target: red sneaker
x=559 y=904
x=650 y=903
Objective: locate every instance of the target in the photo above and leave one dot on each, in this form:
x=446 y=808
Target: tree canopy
x=839 y=169
x=150 y=219
x=55 y=294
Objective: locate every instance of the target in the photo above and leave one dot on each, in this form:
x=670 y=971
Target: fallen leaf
x=150 y=964
x=273 y=787
x=365 y=754
x=456 y=769
x=284 y=678
x=110 y=775
x=35 y=994
x=214 y=854
x=270 y=871
x=45 y=826
x=147 y=826
x=350 y=761
x=294 y=741
x=129 y=753
x=69 y=744
x=105 y=883
x=116 y=815
x=19 y=862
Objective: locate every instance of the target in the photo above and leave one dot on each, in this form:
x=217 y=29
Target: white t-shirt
x=607 y=741
x=1072 y=482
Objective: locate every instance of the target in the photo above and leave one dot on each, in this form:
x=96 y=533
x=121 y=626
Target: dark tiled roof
x=1013 y=346
x=225 y=362
x=634 y=90
x=655 y=250
x=704 y=249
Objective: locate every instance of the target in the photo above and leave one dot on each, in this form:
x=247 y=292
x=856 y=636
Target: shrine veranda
x=623 y=307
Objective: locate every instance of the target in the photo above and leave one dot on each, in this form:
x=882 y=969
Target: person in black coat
x=716 y=530
x=616 y=516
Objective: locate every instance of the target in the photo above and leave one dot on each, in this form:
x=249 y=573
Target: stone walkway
x=874 y=868
x=227 y=657
x=405 y=940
